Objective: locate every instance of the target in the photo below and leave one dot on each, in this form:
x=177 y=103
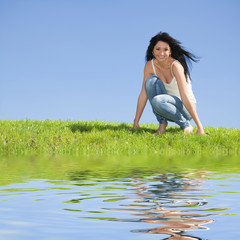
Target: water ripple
x=177 y=204
x=171 y=205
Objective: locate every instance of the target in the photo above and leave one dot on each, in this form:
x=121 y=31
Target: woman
x=167 y=85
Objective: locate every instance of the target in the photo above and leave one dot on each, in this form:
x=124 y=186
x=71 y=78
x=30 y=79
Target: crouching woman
x=167 y=85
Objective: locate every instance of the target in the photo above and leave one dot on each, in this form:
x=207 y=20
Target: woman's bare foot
x=188 y=129
x=162 y=128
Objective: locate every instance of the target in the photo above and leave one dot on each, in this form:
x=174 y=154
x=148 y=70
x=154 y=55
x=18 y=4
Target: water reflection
x=171 y=200
x=170 y=205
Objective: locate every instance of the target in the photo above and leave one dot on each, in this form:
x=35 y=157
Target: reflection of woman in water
x=185 y=237
x=176 y=221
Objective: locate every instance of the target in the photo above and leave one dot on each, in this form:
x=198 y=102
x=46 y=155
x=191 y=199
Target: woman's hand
x=135 y=125
x=200 y=131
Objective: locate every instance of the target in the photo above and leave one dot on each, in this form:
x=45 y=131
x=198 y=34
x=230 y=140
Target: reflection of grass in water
x=93 y=171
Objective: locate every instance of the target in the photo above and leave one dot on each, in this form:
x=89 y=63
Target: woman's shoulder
x=174 y=61
x=176 y=65
x=148 y=65
x=148 y=69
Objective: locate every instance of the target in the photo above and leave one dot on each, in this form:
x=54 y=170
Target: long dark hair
x=177 y=51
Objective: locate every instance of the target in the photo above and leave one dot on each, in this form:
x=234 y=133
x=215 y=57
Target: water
x=68 y=202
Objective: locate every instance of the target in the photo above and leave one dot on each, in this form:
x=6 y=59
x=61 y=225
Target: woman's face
x=161 y=51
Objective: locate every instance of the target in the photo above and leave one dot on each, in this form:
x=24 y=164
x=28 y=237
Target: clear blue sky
x=84 y=60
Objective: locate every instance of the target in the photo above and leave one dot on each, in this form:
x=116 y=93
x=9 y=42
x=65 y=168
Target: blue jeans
x=166 y=107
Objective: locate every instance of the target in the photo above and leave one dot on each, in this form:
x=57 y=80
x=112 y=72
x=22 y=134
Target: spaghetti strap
x=172 y=65
x=153 y=68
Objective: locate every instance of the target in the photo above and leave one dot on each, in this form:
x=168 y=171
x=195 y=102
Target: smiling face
x=161 y=51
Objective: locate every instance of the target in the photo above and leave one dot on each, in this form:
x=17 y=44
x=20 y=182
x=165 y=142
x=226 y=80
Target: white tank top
x=172 y=87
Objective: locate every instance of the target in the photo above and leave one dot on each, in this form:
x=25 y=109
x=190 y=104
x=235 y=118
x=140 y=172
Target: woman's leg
x=172 y=108
x=166 y=107
x=154 y=87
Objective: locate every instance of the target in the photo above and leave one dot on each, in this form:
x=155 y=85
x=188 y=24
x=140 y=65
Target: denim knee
x=158 y=100
x=149 y=86
x=165 y=106
x=154 y=86
x=157 y=103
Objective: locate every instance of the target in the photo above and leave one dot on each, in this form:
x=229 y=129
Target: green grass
x=94 y=138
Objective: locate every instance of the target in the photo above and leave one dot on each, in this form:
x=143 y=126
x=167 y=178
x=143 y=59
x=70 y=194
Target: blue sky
x=84 y=60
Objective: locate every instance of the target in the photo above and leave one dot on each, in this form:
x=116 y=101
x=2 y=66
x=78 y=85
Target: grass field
x=94 y=138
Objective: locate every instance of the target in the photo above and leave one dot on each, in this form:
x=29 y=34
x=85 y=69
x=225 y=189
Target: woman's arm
x=142 y=99
x=178 y=72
